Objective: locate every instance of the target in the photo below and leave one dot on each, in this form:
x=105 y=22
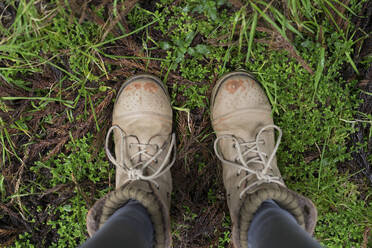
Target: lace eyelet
x=234 y=146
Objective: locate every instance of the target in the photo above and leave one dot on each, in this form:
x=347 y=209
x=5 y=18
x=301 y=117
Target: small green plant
x=24 y=241
x=225 y=239
x=77 y=168
x=188 y=215
x=70 y=224
x=211 y=196
x=201 y=166
x=195 y=95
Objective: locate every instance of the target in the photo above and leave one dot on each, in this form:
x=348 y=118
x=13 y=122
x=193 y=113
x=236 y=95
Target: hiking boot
x=144 y=152
x=246 y=146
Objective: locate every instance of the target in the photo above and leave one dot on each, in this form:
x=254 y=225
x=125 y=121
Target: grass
x=60 y=69
x=72 y=171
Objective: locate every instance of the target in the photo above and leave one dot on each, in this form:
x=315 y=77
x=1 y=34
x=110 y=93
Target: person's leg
x=145 y=150
x=130 y=226
x=273 y=226
x=242 y=118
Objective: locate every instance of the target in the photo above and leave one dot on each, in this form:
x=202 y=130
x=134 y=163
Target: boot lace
x=242 y=160
x=136 y=171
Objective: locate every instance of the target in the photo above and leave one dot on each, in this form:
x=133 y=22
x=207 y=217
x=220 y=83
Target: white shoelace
x=136 y=171
x=242 y=163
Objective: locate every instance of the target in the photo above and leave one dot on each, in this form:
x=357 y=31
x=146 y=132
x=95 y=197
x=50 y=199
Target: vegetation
x=62 y=62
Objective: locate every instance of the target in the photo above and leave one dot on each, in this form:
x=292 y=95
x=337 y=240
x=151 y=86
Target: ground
x=62 y=63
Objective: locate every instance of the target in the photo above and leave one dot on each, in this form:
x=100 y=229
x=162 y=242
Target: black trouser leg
x=274 y=227
x=129 y=227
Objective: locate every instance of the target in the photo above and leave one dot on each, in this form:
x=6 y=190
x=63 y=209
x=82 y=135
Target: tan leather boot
x=241 y=118
x=144 y=152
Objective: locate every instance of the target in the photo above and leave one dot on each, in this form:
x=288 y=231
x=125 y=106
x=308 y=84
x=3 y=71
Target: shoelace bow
x=136 y=171
x=242 y=163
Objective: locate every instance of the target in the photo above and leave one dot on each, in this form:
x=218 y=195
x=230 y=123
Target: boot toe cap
x=143 y=95
x=238 y=92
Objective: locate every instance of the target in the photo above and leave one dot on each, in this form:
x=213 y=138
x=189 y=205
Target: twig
x=86 y=198
x=83 y=12
x=365 y=237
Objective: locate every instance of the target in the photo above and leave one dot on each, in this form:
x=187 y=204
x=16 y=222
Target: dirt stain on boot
x=129 y=88
x=133 y=86
x=150 y=87
x=137 y=86
x=233 y=85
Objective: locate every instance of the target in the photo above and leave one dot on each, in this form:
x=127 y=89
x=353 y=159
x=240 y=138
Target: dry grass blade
x=251 y=36
x=127 y=6
x=366 y=237
x=83 y=12
x=10 y=212
x=236 y=3
x=7 y=232
x=9 y=239
x=54 y=189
